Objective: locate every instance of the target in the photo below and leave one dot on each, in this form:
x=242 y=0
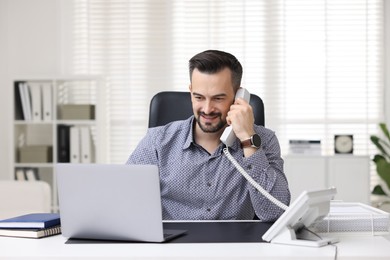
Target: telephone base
x=302 y=238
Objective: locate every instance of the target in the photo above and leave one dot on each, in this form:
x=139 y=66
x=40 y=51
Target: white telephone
x=228 y=136
x=288 y=234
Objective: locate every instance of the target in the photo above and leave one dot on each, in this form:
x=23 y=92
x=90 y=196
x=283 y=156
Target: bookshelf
x=57 y=119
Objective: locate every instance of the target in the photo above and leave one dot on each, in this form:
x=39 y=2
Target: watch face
x=256 y=140
x=343 y=144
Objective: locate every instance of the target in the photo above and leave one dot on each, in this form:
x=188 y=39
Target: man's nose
x=207 y=107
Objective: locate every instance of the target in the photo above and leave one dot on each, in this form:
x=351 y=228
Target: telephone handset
x=228 y=136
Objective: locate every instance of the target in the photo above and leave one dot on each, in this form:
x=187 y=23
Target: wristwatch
x=254 y=141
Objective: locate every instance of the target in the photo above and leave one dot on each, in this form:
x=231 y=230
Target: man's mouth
x=210 y=117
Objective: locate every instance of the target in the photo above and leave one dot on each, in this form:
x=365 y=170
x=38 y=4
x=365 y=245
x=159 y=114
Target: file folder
x=36 y=103
x=74 y=144
x=47 y=104
x=86 y=147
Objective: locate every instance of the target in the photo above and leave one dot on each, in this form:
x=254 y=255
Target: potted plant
x=382 y=162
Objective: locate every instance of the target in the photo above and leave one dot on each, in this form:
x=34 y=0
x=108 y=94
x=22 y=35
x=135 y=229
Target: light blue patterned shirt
x=198 y=185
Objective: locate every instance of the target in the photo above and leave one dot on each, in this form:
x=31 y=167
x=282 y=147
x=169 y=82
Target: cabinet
x=57 y=120
x=348 y=173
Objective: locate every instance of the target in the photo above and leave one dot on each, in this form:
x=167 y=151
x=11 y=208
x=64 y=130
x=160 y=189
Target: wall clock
x=343 y=144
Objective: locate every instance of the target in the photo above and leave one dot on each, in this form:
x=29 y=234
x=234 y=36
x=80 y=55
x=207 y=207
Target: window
x=318 y=65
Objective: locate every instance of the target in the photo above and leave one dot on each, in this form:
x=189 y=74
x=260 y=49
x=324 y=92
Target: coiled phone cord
x=253 y=182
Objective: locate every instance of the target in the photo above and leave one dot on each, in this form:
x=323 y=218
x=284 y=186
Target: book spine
x=19 y=114
x=27 y=99
x=63 y=143
x=20 y=174
x=47 y=102
x=74 y=144
x=23 y=97
x=85 y=145
x=52 y=231
x=36 y=101
x=32 y=174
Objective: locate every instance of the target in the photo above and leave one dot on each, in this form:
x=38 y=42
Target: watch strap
x=254 y=141
x=246 y=143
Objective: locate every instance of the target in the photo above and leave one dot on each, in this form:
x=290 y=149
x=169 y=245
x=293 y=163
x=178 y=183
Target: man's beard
x=209 y=128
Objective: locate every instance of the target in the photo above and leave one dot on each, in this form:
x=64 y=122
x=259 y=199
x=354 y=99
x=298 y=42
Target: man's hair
x=213 y=61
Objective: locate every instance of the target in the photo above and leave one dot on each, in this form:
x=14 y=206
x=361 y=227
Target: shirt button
x=208 y=184
x=208 y=210
x=249 y=167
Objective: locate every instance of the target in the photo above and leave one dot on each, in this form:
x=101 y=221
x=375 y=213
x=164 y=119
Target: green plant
x=382 y=160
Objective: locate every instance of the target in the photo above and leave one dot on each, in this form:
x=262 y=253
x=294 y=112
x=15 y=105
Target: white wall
x=4 y=93
x=30 y=45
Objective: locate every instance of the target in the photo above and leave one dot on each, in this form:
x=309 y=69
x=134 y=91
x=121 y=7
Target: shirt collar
x=190 y=138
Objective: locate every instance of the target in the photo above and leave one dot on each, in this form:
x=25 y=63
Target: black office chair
x=168 y=106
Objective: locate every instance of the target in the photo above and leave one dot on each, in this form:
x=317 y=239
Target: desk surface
x=350 y=247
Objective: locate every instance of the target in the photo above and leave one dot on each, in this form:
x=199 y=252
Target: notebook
x=33 y=220
x=111 y=202
x=30 y=232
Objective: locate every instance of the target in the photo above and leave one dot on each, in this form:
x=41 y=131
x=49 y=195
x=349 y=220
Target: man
x=197 y=179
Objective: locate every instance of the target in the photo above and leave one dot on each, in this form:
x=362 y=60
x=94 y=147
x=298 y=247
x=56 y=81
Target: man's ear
x=190 y=87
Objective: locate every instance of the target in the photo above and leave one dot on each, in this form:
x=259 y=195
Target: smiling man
x=197 y=179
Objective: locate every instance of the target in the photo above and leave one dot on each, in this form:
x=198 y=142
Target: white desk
x=350 y=247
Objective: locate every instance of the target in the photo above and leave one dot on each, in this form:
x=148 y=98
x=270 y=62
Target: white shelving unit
x=84 y=90
x=350 y=174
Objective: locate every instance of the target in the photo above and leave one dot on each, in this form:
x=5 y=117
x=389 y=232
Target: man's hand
x=241 y=118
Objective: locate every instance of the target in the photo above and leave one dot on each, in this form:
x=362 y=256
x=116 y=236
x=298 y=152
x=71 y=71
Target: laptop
x=111 y=202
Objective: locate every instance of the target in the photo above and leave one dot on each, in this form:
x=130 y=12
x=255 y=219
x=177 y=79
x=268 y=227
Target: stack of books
x=305 y=147
x=35 y=225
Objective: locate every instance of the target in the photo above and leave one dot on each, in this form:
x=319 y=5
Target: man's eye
x=198 y=98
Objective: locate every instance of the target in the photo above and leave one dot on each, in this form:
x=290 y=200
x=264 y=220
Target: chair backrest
x=168 y=106
x=24 y=197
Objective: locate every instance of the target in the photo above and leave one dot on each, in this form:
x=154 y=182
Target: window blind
x=318 y=65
